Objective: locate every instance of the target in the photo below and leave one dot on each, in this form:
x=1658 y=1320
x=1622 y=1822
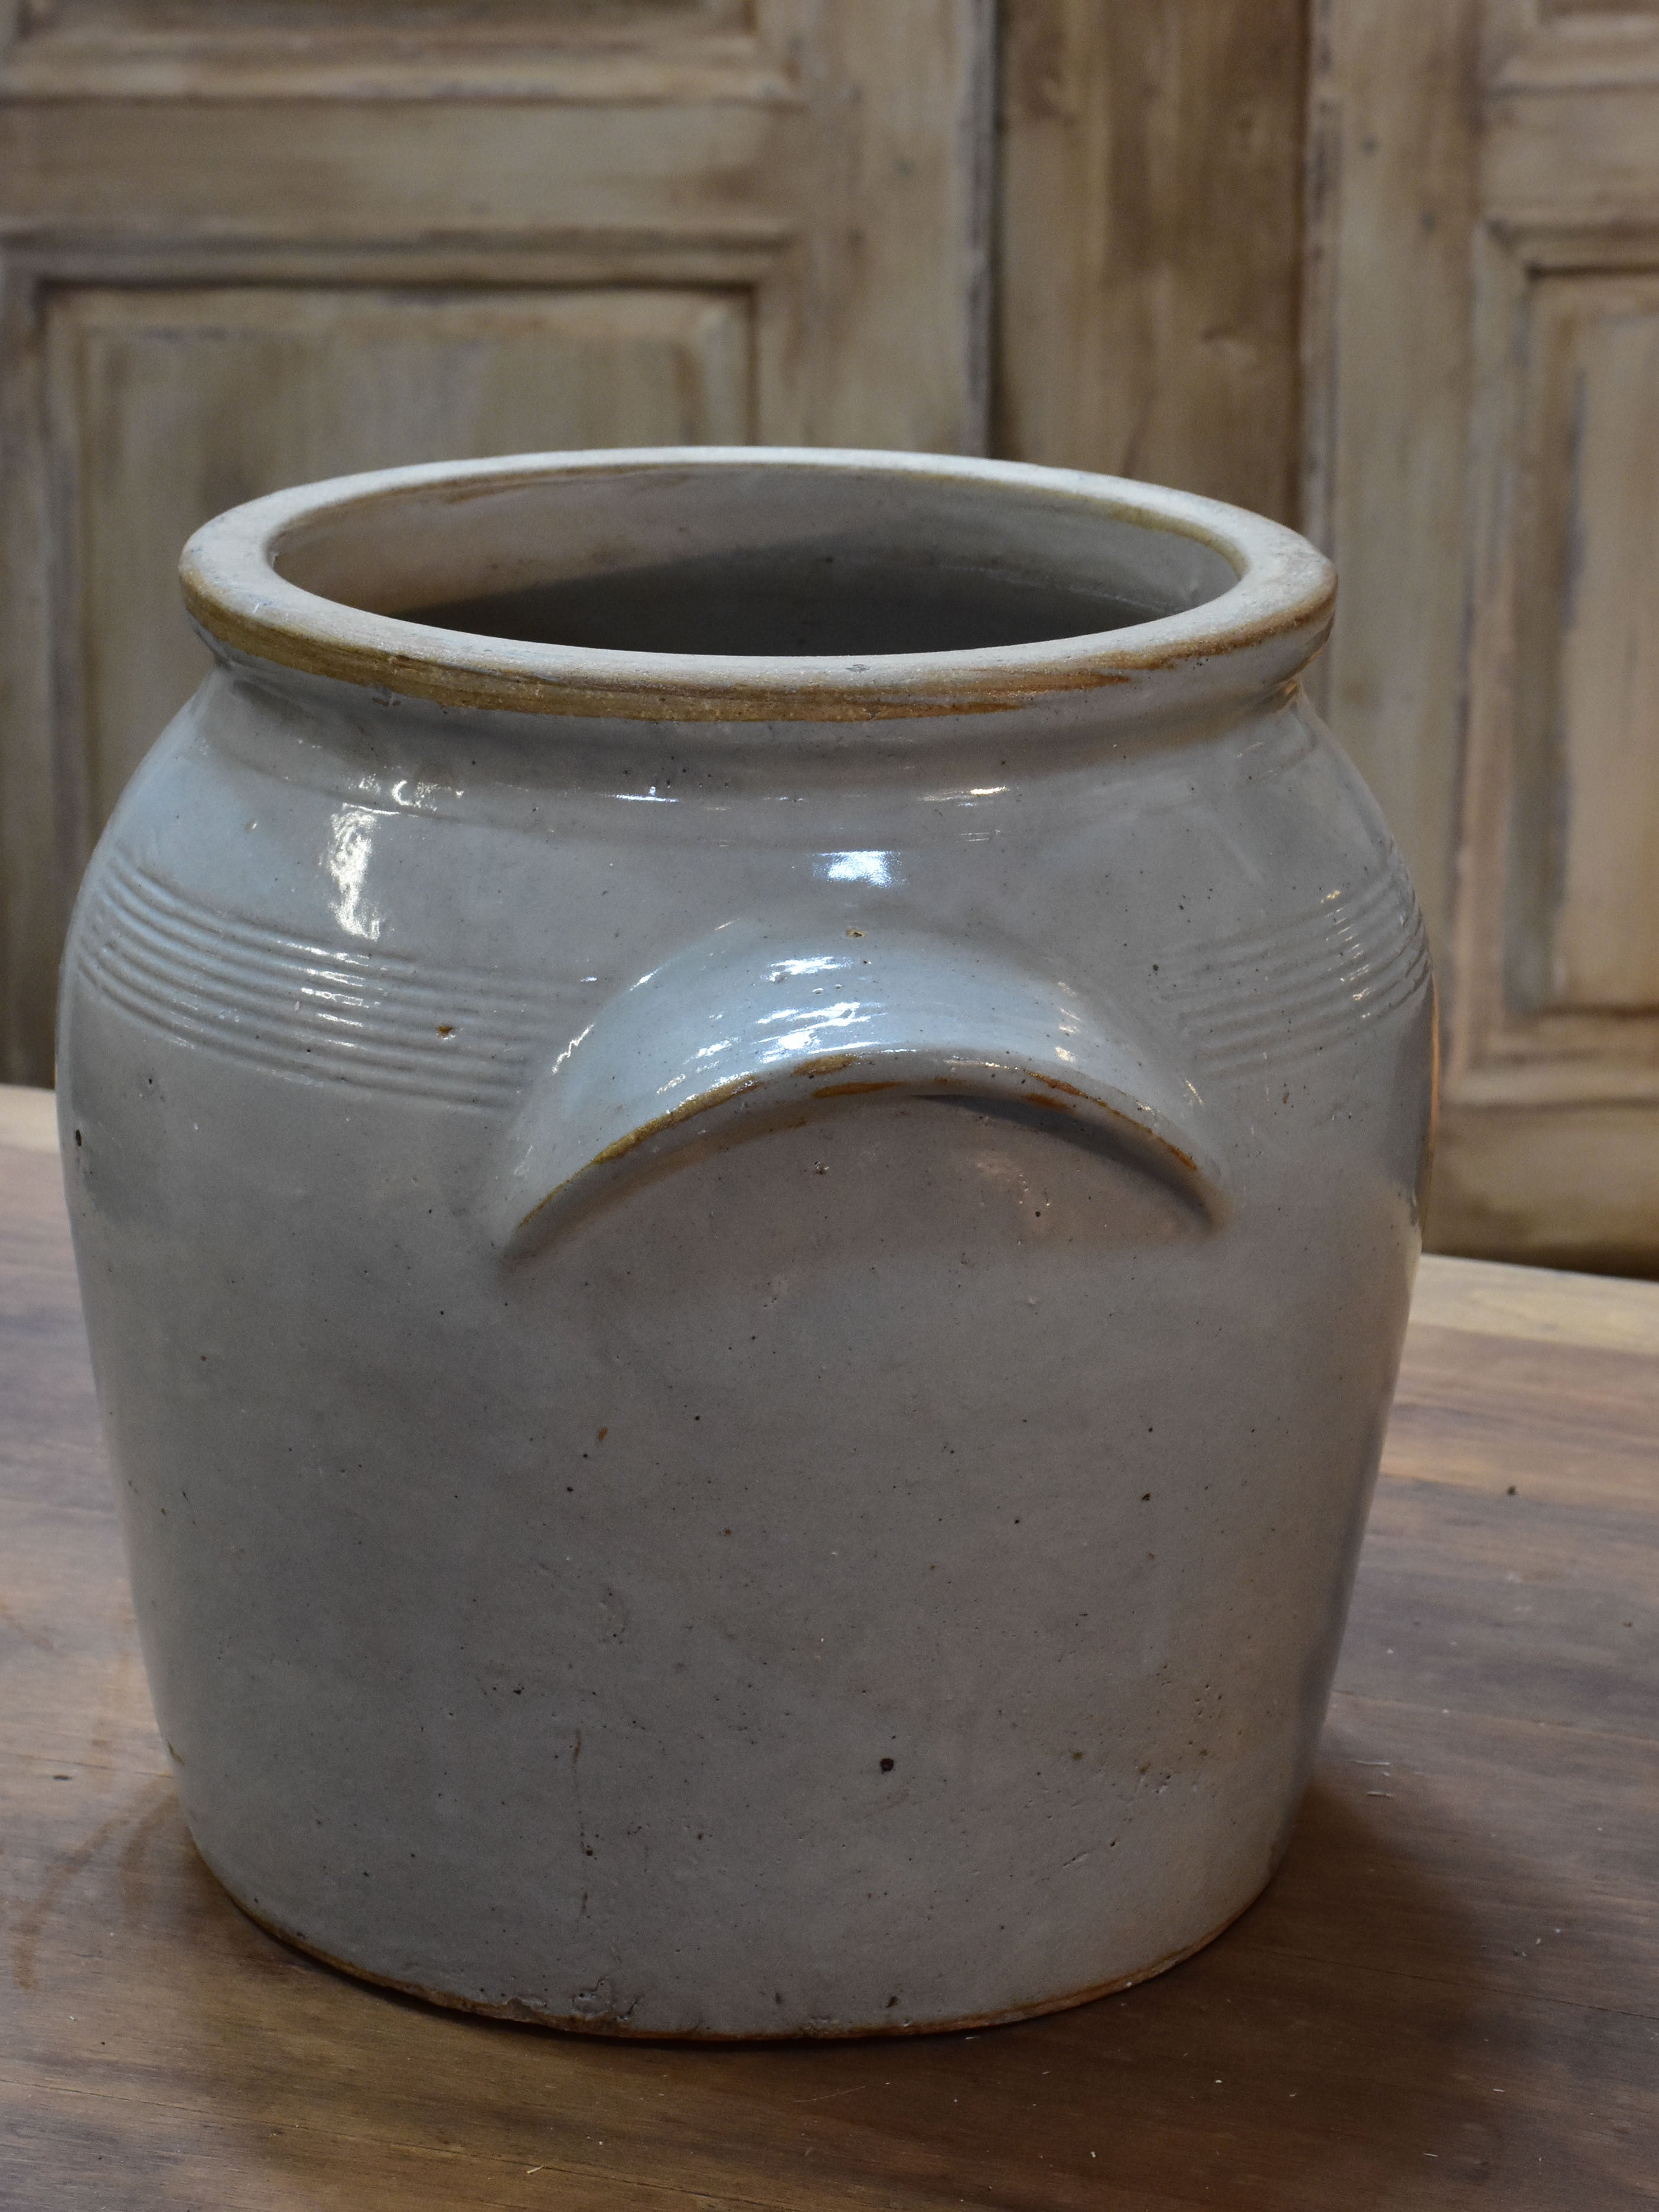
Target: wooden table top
x=1449 y=1995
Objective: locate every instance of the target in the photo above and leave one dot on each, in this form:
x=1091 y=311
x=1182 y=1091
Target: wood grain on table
x=1449 y=1995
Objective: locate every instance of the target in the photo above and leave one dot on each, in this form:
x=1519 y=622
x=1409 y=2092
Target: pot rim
x=1253 y=637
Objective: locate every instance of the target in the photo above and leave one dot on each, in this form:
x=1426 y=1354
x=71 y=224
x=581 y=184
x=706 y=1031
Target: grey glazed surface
x=745 y=1355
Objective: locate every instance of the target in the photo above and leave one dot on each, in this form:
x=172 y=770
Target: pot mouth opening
x=752 y=583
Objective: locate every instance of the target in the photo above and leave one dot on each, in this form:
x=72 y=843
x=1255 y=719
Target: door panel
x=1587 y=817
x=168 y=405
x=249 y=243
x=1484 y=442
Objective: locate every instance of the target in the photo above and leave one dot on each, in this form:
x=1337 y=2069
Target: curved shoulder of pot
x=744 y=1033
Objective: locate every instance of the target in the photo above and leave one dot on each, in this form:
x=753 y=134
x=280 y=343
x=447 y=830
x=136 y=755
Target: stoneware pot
x=745 y=1130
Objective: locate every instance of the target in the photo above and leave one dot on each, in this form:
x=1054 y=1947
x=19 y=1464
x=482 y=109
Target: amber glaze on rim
x=1251 y=638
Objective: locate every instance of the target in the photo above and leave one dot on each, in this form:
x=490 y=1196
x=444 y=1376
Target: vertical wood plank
x=1149 y=262
x=889 y=302
x=1393 y=134
x=32 y=906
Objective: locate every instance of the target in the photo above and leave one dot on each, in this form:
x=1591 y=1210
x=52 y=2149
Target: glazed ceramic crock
x=745 y=1130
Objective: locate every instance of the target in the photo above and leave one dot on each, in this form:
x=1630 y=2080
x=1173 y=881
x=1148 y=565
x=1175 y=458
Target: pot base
x=578 y=2024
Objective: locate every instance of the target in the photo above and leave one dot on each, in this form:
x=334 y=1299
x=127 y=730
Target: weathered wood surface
x=1482 y=429
x=1449 y=1995
x=1149 y=224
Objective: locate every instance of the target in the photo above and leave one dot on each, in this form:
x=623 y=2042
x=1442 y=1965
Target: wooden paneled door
x=1483 y=394
x=247 y=242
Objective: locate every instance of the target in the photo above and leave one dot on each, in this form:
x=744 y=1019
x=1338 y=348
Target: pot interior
x=754 y=559
x=798 y=600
